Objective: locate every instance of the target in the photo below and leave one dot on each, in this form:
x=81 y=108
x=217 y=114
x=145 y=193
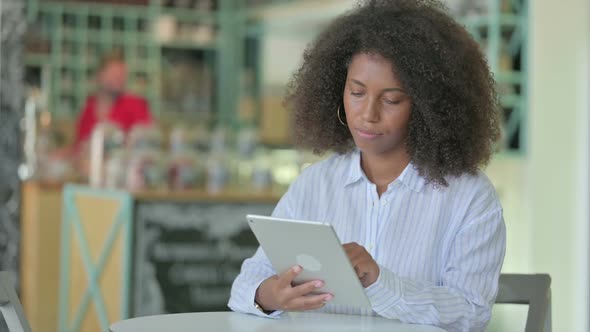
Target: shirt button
x=370 y=247
x=383 y=202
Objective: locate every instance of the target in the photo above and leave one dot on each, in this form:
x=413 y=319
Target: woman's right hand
x=277 y=293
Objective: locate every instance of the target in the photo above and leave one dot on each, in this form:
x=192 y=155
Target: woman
x=403 y=94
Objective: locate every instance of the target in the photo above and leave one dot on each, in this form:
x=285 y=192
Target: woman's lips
x=367 y=133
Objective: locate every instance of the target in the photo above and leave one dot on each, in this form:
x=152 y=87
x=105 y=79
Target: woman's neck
x=384 y=169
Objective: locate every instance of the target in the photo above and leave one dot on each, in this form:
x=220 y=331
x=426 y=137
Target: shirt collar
x=355 y=172
x=410 y=177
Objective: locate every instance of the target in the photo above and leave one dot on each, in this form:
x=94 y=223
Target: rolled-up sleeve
x=255 y=270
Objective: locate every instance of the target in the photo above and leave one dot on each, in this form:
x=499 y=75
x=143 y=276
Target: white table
x=291 y=322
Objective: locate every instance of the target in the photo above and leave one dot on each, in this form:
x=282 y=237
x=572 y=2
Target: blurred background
x=213 y=144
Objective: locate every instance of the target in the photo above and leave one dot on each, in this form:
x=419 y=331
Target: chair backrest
x=10 y=306
x=531 y=289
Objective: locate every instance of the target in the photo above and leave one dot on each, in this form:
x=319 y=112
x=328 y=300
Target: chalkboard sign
x=188 y=254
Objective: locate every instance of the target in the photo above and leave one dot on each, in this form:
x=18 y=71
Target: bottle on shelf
x=262 y=177
x=115 y=169
x=219 y=161
x=185 y=169
x=146 y=166
x=104 y=140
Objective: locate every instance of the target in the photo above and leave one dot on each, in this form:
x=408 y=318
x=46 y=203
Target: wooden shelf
x=226 y=195
x=237 y=195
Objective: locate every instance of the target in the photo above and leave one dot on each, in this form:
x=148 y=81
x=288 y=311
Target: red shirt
x=127 y=110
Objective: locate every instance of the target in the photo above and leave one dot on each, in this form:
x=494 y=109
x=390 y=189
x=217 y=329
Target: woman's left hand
x=365 y=266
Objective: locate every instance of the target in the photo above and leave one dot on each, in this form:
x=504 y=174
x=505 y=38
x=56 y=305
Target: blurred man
x=111 y=103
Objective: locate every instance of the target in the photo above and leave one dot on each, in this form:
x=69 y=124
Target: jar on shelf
x=200 y=139
x=105 y=138
x=185 y=167
x=285 y=166
x=218 y=172
x=219 y=141
x=475 y=8
x=145 y=170
x=204 y=5
x=202 y=33
x=165 y=28
x=115 y=169
x=185 y=171
x=246 y=142
x=145 y=137
x=179 y=139
x=262 y=177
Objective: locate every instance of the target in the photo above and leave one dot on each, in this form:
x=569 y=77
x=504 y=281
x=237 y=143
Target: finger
x=367 y=270
x=356 y=250
x=356 y=256
x=360 y=257
x=306 y=288
x=352 y=246
x=362 y=265
x=359 y=271
x=365 y=279
x=307 y=302
x=358 y=260
x=315 y=307
x=287 y=277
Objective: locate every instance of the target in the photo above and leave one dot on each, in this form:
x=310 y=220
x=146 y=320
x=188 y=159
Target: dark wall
x=12 y=28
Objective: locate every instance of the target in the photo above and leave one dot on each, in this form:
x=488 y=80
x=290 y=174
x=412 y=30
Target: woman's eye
x=392 y=102
x=357 y=94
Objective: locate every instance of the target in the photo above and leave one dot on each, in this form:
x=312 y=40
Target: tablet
x=315 y=247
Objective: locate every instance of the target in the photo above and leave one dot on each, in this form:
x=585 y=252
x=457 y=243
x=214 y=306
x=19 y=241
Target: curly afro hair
x=454 y=116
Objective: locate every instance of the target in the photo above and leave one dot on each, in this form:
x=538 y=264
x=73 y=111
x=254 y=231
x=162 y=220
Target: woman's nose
x=370 y=112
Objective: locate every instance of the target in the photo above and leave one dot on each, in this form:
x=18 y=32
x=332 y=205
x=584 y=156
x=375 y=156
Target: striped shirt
x=439 y=249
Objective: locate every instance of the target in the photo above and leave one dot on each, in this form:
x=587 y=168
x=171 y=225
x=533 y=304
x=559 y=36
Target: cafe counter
x=90 y=257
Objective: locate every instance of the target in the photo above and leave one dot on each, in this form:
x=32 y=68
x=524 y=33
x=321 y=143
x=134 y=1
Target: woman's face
x=376 y=105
